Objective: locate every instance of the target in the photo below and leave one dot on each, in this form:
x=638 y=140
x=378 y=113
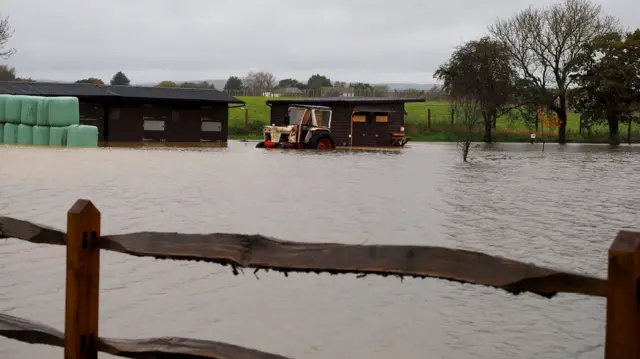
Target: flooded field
x=561 y=208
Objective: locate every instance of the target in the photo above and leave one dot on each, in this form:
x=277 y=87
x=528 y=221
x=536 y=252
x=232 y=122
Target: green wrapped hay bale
x=10 y=136
x=25 y=134
x=13 y=108
x=64 y=111
x=41 y=135
x=1 y=133
x=42 y=119
x=3 y=103
x=82 y=136
x=29 y=110
x=58 y=136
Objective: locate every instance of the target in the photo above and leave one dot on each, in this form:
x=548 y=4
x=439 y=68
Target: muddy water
x=560 y=208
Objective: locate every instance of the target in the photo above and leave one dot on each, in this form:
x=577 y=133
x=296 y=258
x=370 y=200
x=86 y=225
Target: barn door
x=363 y=130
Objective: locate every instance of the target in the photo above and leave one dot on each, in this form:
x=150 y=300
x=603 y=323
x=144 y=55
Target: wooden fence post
x=623 y=312
x=83 y=281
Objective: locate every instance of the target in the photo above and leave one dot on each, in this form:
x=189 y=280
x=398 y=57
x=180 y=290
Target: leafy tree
x=7 y=73
x=361 y=87
x=480 y=70
x=91 y=80
x=6 y=32
x=167 y=84
x=120 y=79
x=234 y=83
x=340 y=84
x=317 y=81
x=284 y=83
x=609 y=81
x=544 y=44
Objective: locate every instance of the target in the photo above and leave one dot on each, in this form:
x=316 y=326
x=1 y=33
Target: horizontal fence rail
x=36 y=333
x=84 y=241
x=260 y=252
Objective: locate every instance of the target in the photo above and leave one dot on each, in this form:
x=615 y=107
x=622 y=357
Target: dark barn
x=356 y=121
x=136 y=114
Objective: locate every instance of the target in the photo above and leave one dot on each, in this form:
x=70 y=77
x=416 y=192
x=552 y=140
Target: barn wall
x=135 y=121
x=92 y=114
x=212 y=118
x=341 y=124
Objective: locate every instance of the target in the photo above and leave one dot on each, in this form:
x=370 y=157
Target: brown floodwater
x=561 y=208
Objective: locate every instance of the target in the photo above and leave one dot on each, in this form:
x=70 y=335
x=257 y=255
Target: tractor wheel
x=260 y=144
x=322 y=141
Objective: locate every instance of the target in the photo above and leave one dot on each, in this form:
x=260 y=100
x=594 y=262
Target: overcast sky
x=347 y=40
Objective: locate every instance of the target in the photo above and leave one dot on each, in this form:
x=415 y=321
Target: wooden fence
x=84 y=242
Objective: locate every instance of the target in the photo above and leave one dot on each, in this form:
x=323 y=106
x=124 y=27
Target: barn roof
x=111 y=91
x=344 y=100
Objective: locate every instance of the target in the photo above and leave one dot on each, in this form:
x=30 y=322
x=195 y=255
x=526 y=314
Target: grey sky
x=348 y=40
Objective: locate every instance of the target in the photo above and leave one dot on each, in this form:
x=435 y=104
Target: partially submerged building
x=356 y=121
x=136 y=114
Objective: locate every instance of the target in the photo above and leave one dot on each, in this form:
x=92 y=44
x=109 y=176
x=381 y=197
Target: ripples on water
x=560 y=208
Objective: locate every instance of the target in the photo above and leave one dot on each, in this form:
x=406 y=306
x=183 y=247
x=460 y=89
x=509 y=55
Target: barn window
x=211 y=126
x=382 y=118
x=153 y=125
x=359 y=118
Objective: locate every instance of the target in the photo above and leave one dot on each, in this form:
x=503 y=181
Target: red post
x=429 y=118
x=623 y=298
x=246 y=120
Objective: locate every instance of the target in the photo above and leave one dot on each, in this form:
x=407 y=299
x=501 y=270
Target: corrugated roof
x=350 y=100
x=91 y=90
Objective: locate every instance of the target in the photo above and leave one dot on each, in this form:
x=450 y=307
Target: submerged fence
x=84 y=242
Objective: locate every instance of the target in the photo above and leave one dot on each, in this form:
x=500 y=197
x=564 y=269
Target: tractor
x=305 y=127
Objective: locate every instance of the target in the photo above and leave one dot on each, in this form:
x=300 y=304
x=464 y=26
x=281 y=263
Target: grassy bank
x=441 y=129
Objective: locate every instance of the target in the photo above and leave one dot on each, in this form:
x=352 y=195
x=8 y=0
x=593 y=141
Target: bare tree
x=544 y=44
x=5 y=35
x=469 y=111
x=259 y=81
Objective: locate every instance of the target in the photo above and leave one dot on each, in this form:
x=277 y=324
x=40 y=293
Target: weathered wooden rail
x=84 y=242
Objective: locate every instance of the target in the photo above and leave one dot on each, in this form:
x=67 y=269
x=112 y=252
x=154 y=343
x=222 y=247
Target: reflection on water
x=561 y=207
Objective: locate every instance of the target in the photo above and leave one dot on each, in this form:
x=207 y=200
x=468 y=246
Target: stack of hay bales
x=44 y=121
x=11 y=119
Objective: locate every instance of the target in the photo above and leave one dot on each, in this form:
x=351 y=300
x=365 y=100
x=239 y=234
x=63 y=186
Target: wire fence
x=439 y=120
x=328 y=92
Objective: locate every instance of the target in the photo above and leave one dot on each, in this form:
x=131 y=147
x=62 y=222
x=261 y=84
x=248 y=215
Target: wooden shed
x=137 y=114
x=356 y=121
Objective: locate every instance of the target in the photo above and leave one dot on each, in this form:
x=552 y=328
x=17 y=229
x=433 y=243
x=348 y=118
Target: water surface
x=561 y=208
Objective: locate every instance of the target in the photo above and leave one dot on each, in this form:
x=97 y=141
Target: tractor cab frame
x=305 y=127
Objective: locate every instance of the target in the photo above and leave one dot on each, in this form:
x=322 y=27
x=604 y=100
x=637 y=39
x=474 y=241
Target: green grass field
x=441 y=130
